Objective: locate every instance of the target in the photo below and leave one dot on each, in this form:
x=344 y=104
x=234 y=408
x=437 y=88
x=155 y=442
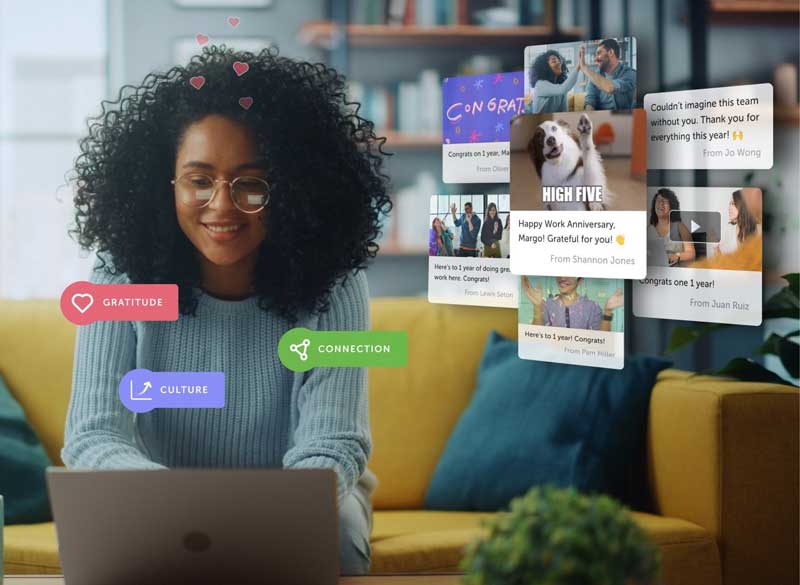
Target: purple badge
x=142 y=390
x=478 y=108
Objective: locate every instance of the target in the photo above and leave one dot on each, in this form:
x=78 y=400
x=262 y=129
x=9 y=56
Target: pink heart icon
x=201 y=39
x=82 y=301
x=240 y=68
x=246 y=102
x=197 y=82
x=233 y=21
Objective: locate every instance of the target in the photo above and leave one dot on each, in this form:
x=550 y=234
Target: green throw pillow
x=23 y=461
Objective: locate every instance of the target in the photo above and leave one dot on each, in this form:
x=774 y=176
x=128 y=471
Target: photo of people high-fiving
x=581 y=75
x=469 y=226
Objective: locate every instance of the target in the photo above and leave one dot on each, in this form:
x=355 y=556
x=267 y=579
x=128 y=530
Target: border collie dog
x=565 y=158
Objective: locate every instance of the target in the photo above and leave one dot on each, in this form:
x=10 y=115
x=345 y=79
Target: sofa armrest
x=724 y=454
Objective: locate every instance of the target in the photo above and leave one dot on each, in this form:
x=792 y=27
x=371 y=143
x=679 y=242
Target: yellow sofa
x=722 y=455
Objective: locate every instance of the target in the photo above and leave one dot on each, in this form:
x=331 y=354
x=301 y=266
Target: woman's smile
x=224 y=231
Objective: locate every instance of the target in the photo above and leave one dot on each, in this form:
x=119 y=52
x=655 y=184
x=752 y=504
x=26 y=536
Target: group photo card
x=581 y=75
x=468 y=251
x=572 y=320
x=476 y=111
x=578 y=190
x=716 y=128
x=704 y=255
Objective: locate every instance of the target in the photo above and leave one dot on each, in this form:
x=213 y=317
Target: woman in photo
x=264 y=215
x=742 y=223
x=551 y=81
x=492 y=233
x=569 y=308
x=662 y=250
x=440 y=242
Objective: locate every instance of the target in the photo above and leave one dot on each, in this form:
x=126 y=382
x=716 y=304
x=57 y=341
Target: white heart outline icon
x=82 y=296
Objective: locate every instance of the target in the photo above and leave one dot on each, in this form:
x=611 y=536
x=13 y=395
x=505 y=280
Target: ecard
x=704 y=251
x=572 y=320
x=476 y=111
x=468 y=251
x=581 y=75
x=578 y=199
x=717 y=128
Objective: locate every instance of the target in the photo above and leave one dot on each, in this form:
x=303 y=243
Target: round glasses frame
x=231 y=185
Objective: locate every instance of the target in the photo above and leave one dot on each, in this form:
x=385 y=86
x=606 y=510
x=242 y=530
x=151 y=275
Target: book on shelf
x=427 y=13
x=409 y=107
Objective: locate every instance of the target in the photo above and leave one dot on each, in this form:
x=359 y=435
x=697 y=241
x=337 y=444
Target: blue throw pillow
x=532 y=423
x=23 y=461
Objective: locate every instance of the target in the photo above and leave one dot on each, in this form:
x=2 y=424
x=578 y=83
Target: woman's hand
x=615 y=301
x=535 y=295
x=581 y=54
x=673 y=258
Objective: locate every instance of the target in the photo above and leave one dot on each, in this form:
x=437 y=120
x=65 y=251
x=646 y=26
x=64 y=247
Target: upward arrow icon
x=147 y=386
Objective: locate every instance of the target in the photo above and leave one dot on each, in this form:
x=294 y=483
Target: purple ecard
x=141 y=390
x=478 y=108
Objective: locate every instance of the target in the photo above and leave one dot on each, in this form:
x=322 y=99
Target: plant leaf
x=749 y=371
x=683 y=335
x=788 y=351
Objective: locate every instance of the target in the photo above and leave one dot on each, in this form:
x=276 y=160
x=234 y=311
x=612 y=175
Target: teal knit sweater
x=272 y=416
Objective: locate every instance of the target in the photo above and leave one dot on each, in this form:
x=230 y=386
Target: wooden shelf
x=756 y=12
x=327 y=35
x=389 y=249
x=404 y=140
x=787 y=115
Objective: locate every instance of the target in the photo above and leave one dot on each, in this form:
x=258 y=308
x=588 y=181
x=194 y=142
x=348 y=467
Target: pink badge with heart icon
x=84 y=302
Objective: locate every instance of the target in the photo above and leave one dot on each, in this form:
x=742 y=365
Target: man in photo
x=614 y=86
x=470 y=225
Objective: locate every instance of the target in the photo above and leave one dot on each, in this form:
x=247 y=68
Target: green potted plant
x=554 y=536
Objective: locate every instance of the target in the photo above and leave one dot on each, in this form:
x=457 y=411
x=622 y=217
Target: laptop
x=202 y=526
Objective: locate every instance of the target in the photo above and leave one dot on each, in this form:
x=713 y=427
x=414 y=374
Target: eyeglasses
x=249 y=194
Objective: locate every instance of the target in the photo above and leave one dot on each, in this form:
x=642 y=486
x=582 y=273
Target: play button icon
x=702 y=227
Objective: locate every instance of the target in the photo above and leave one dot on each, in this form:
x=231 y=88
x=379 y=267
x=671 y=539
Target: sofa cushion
x=532 y=423
x=430 y=541
x=23 y=461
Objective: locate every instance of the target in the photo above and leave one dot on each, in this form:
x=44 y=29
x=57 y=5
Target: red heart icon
x=246 y=102
x=240 y=68
x=197 y=82
x=201 y=39
x=233 y=21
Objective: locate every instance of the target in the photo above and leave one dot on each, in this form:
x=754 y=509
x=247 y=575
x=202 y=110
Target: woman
x=505 y=240
x=264 y=216
x=743 y=223
x=491 y=233
x=662 y=248
x=570 y=309
x=440 y=242
x=551 y=81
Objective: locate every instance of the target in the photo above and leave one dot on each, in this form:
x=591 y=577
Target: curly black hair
x=541 y=69
x=328 y=192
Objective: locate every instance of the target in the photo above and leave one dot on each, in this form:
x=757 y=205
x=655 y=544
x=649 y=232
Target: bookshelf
x=426 y=40
x=779 y=12
x=328 y=35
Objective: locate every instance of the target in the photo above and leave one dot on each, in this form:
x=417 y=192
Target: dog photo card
x=578 y=191
x=476 y=111
x=558 y=80
x=703 y=255
x=572 y=320
x=468 y=251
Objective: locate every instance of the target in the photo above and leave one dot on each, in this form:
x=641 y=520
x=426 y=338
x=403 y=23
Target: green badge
x=302 y=349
